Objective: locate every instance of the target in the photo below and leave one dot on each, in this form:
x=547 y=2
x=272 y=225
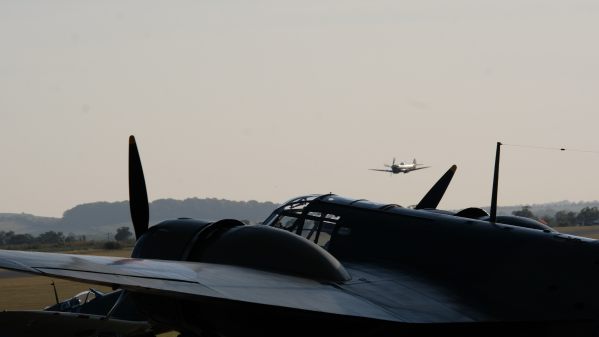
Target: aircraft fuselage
x=487 y=273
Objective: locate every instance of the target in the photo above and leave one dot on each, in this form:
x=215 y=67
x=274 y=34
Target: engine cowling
x=168 y=240
x=234 y=243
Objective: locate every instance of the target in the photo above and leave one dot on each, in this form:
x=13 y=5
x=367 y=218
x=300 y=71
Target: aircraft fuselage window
x=317 y=228
x=309 y=228
x=313 y=226
x=286 y=222
x=294 y=217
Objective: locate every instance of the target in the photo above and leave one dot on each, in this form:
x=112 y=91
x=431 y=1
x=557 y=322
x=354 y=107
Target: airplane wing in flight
x=381 y=170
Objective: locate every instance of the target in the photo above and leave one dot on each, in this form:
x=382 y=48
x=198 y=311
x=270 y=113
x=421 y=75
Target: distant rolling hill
x=99 y=218
x=26 y=223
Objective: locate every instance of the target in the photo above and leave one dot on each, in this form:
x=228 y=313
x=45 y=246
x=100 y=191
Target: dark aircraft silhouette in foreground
x=88 y=313
x=402 y=167
x=325 y=265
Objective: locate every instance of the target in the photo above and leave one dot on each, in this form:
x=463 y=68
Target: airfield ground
x=586 y=231
x=21 y=291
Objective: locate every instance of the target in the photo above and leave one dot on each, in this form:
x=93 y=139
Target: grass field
x=586 y=231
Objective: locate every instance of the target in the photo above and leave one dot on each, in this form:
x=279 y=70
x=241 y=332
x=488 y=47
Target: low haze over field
x=266 y=100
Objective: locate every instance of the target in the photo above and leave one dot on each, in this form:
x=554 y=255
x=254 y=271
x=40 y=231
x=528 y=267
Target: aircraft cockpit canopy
x=297 y=217
x=74 y=303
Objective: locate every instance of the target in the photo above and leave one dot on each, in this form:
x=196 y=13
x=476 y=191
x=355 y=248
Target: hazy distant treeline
x=99 y=218
x=548 y=210
x=50 y=237
x=588 y=216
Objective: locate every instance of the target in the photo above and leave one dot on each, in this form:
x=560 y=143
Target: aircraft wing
x=233 y=284
x=420 y=168
x=381 y=170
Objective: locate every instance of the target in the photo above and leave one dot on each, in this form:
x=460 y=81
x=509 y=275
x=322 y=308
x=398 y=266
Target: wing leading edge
x=228 y=283
x=419 y=168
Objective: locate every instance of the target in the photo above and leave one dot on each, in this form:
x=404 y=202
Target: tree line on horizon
x=10 y=238
x=588 y=216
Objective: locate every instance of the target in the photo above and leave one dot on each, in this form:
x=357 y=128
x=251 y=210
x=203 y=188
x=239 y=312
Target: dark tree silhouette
x=565 y=219
x=123 y=234
x=525 y=212
x=51 y=237
x=588 y=216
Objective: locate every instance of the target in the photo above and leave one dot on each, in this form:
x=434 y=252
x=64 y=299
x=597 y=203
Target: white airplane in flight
x=402 y=167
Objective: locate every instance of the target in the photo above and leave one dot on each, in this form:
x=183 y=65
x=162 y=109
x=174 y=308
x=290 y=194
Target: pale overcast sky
x=266 y=100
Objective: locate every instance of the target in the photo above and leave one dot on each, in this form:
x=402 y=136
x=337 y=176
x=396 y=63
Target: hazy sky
x=267 y=100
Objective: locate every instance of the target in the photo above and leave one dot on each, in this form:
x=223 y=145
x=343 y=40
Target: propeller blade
x=138 y=196
x=435 y=194
x=393 y=161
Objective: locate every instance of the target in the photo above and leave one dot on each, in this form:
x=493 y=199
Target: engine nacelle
x=168 y=240
x=233 y=243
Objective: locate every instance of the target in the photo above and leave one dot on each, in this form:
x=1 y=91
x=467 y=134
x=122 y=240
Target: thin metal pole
x=495 y=181
x=55 y=292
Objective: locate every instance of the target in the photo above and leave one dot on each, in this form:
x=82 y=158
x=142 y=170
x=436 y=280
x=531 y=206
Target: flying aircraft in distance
x=327 y=265
x=401 y=167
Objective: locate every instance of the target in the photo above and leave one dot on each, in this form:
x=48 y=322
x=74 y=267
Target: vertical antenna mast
x=495 y=180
